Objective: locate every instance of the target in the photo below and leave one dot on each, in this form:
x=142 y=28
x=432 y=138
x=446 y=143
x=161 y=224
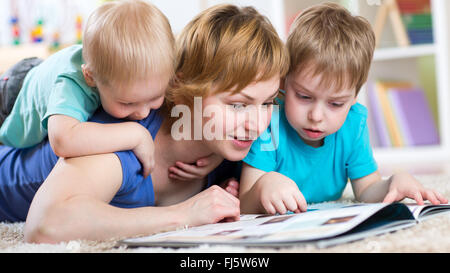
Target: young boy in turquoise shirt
x=319 y=138
x=124 y=66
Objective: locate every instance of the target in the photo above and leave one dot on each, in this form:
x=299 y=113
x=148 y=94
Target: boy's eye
x=303 y=97
x=336 y=104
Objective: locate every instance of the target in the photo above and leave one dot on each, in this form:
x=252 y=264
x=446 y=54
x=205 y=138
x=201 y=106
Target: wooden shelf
x=384 y=54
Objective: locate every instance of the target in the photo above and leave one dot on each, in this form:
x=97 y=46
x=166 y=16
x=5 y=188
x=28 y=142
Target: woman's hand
x=210 y=206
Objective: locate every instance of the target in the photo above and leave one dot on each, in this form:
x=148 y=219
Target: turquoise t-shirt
x=320 y=173
x=56 y=86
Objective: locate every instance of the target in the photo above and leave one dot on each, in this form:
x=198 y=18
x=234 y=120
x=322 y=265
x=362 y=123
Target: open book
x=324 y=224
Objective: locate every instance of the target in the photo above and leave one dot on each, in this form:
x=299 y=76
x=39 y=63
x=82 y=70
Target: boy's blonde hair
x=327 y=40
x=225 y=48
x=125 y=41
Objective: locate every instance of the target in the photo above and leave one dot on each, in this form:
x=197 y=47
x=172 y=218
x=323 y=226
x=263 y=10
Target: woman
x=231 y=59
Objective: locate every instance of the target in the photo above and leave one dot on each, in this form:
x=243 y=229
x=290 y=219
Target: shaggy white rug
x=432 y=235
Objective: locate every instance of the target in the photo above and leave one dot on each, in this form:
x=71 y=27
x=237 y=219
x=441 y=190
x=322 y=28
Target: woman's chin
x=236 y=155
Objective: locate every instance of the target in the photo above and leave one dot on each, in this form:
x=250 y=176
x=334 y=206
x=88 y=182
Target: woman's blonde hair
x=225 y=48
x=327 y=40
x=128 y=40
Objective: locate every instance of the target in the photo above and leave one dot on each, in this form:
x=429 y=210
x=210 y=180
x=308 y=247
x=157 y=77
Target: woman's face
x=231 y=122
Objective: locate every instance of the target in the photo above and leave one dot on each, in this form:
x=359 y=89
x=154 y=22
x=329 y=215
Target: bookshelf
x=405 y=63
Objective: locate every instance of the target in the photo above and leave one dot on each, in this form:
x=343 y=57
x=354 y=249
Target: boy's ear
x=355 y=100
x=282 y=83
x=88 y=76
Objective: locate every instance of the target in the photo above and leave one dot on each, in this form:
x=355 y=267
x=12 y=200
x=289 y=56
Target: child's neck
x=314 y=144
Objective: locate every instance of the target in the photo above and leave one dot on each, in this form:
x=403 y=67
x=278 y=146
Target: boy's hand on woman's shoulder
x=145 y=151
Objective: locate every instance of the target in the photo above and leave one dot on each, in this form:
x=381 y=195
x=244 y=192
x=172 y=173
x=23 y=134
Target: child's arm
x=372 y=188
x=272 y=192
x=72 y=138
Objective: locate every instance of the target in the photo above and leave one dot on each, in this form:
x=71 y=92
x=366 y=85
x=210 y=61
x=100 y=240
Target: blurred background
x=407 y=93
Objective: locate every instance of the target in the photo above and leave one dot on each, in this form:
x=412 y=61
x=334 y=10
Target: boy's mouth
x=313 y=133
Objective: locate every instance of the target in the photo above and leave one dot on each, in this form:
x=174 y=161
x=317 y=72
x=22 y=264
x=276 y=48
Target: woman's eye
x=269 y=103
x=238 y=106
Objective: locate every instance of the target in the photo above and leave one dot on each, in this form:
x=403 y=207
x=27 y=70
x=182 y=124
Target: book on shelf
x=324 y=225
x=401 y=115
x=414 y=117
x=417 y=18
x=414 y=6
x=376 y=118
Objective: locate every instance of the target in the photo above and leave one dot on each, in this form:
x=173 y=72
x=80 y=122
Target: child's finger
x=290 y=203
x=418 y=198
x=390 y=197
x=441 y=198
x=232 y=191
x=301 y=202
x=145 y=169
x=431 y=196
x=181 y=173
x=188 y=168
x=279 y=206
x=270 y=209
x=176 y=177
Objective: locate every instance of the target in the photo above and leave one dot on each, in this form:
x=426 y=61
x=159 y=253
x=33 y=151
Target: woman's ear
x=88 y=76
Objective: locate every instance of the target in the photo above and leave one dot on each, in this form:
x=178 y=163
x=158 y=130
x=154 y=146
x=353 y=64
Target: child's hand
x=145 y=151
x=405 y=185
x=280 y=194
x=199 y=170
x=231 y=185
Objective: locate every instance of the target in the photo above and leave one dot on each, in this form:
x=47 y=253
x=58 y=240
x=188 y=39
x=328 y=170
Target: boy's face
x=315 y=111
x=135 y=100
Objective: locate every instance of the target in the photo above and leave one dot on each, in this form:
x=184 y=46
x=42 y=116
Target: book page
x=321 y=221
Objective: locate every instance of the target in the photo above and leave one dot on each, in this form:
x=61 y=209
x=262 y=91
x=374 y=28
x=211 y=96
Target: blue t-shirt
x=22 y=171
x=320 y=173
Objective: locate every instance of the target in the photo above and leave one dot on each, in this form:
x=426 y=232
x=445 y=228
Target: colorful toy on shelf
x=37 y=33
x=56 y=41
x=15 y=30
x=79 y=29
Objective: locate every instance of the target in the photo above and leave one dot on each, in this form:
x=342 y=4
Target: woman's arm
x=73 y=203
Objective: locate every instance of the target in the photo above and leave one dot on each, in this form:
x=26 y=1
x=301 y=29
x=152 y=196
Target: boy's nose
x=157 y=103
x=141 y=114
x=315 y=114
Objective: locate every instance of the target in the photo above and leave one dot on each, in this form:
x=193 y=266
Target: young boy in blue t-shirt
x=319 y=137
